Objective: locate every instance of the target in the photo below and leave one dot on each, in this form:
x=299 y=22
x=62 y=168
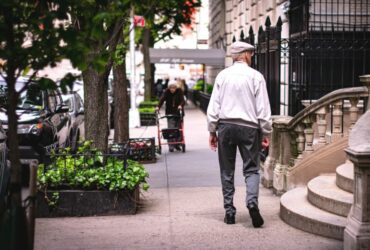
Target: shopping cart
x=174 y=136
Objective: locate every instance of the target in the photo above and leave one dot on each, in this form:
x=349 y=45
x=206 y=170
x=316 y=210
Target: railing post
x=353 y=112
x=308 y=134
x=322 y=124
x=357 y=231
x=274 y=152
x=365 y=79
x=337 y=120
x=300 y=141
x=283 y=154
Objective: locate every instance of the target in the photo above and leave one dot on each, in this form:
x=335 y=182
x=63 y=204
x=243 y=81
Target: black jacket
x=172 y=101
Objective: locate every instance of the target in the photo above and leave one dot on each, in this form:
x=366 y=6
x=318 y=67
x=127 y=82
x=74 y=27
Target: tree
x=120 y=96
x=34 y=35
x=163 y=19
x=101 y=23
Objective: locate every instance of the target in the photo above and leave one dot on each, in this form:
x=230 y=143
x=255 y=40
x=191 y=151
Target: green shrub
x=199 y=85
x=209 y=88
x=147 y=104
x=147 y=110
x=89 y=171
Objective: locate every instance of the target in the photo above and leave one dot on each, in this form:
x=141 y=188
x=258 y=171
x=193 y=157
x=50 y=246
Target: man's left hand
x=213 y=141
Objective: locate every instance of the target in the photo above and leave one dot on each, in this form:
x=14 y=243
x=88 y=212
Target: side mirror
x=81 y=111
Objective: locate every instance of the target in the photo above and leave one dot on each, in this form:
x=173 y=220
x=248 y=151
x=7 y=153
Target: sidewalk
x=182 y=209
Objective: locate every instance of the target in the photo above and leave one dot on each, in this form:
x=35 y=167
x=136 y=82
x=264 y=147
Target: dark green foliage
x=147 y=110
x=88 y=171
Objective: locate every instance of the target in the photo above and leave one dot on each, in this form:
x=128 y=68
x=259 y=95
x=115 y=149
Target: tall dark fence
x=328 y=48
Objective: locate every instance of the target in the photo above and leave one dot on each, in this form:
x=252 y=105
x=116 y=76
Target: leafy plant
x=147 y=110
x=148 y=104
x=88 y=170
x=199 y=85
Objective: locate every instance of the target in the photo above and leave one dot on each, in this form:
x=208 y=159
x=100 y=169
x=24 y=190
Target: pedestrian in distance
x=173 y=96
x=239 y=117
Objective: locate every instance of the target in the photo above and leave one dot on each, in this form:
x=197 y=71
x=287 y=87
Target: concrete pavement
x=182 y=210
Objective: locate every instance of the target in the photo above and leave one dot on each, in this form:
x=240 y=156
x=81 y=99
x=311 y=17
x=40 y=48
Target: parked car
x=43 y=120
x=75 y=106
x=4 y=170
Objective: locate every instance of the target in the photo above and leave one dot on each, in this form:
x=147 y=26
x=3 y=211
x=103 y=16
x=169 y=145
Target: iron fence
x=328 y=49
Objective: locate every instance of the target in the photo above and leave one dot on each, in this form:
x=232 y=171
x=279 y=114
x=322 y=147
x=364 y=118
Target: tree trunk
x=148 y=80
x=96 y=107
x=121 y=129
x=15 y=179
x=152 y=75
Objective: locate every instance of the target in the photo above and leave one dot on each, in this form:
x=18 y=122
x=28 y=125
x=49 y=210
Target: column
x=357 y=231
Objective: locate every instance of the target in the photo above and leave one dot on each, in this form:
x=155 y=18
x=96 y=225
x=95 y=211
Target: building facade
x=304 y=48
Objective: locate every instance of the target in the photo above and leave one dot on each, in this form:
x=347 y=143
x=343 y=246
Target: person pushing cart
x=173 y=96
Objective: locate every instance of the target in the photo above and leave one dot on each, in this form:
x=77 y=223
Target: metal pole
x=134 y=120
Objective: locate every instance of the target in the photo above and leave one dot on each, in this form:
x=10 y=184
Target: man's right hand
x=213 y=141
x=265 y=142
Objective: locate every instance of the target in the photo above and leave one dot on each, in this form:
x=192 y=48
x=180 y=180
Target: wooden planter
x=88 y=203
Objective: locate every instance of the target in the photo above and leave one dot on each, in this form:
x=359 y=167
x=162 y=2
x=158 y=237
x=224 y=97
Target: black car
x=4 y=170
x=75 y=106
x=43 y=120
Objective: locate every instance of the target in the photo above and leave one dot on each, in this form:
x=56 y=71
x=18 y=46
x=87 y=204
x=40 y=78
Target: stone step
x=325 y=194
x=345 y=176
x=296 y=211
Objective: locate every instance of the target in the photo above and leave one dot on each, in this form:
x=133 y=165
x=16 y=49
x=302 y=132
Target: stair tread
x=346 y=170
x=296 y=201
x=325 y=186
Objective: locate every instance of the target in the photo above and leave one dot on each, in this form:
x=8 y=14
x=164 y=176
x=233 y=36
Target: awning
x=210 y=57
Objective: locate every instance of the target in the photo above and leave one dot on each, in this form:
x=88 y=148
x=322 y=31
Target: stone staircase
x=323 y=205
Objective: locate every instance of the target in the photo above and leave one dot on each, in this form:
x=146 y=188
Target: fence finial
x=279 y=23
x=241 y=35
x=268 y=22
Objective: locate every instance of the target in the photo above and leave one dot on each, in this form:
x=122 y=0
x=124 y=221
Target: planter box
x=148 y=119
x=88 y=203
x=142 y=150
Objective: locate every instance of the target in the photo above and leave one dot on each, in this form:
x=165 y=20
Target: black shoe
x=171 y=149
x=178 y=148
x=229 y=219
x=254 y=212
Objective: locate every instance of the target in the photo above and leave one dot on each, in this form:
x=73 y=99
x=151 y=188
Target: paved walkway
x=182 y=210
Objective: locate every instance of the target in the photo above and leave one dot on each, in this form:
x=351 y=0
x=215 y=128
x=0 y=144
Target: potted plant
x=89 y=183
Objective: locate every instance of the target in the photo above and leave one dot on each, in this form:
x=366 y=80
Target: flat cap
x=239 y=47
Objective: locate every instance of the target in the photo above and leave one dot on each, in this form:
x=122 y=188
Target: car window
x=68 y=101
x=52 y=101
x=31 y=98
x=3 y=95
x=79 y=102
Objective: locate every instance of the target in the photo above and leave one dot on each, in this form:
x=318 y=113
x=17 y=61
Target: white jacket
x=240 y=97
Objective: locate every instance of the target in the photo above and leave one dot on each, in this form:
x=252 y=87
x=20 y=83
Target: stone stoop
x=344 y=177
x=321 y=207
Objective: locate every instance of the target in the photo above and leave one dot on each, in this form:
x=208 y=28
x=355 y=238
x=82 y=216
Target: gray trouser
x=173 y=122
x=247 y=139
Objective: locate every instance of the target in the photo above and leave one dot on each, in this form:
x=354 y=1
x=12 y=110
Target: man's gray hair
x=238 y=56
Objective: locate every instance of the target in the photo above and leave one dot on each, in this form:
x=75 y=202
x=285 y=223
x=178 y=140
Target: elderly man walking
x=239 y=116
